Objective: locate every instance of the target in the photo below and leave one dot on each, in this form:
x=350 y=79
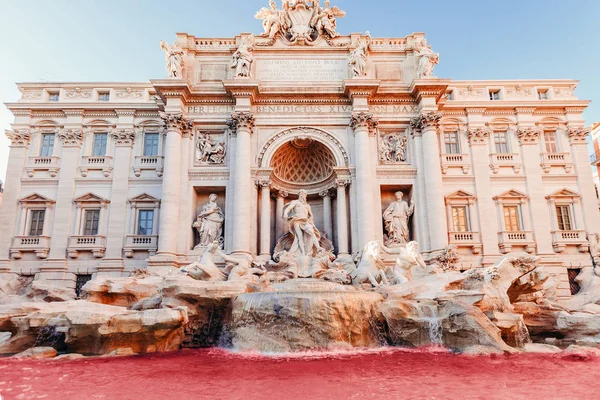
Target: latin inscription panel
x=302 y=70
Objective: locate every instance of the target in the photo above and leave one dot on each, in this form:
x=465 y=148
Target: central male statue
x=396 y=220
x=300 y=217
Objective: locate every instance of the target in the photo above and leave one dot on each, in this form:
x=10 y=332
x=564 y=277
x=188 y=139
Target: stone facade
x=105 y=178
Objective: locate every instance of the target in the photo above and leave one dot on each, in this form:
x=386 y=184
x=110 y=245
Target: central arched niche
x=303 y=163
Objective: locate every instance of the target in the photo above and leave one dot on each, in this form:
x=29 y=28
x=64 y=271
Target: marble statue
x=205 y=268
x=594 y=239
x=396 y=220
x=393 y=149
x=300 y=218
x=274 y=20
x=427 y=60
x=174 y=57
x=210 y=223
x=210 y=151
x=408 y=258
x=358 y=59
x=325 y=22
x=243 y=268
x=448 y=259
x=370 y=268
x=243 y=58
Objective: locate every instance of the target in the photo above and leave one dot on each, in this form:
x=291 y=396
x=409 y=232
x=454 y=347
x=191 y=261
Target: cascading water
x=429 y=313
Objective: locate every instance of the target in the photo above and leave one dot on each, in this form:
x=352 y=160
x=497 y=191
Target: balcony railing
x=93 y=244
x=595 y=158
x=49 y=164
x=40 y=245
x=506 y=240
x=96 y=163
x=562 y=239
x=510 y=160
x=148 y=163
x=550 y=160
x=466 y=239
x=140 y=243
x=455 y=160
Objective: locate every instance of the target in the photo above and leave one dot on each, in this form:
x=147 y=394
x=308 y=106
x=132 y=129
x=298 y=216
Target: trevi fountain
x=386 y=309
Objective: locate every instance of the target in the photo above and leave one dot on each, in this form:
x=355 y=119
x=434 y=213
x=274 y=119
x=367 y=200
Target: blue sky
x=110 y=40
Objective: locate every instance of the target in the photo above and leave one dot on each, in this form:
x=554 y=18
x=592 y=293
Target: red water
x=385 y=374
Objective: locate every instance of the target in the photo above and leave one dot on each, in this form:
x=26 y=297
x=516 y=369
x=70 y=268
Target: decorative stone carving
x=565 y=92
x=303 y=161
x=358 y=59
x=528 y=135
x=301 y=22
x=174 y=58
x=478 y=136
x=427 y=60
x=300 y=218
x=519 y=91
x=408 y=258
x=243 y=58
x=205 y=269
x=123 y=137
x=176 y=122
x=129 y=93
x=71 y=137
x=210 y=223
x=428 y=120
x=396 y=221
x=79 y=93
x=31 y=95
x=370 y=268
x=594 y=239
x=448 y=259
x=364 y=120
x=578 y=135
x=209 y=151
x=239 y=120
x=471 y=92
x=19 y=137
x=393 y=149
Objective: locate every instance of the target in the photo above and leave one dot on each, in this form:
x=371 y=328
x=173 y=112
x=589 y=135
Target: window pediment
x=564 y=194
x=144 y=199
x=460 y=197
x=36 y=199
x=511 y=195
x=90 y=198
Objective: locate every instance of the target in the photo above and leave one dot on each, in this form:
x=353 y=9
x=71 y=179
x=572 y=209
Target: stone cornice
x=360 y=87
x=429 y=88
x=172 y=88
x=242 y=88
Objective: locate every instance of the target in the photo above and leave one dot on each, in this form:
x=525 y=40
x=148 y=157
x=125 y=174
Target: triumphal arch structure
x=296 y=132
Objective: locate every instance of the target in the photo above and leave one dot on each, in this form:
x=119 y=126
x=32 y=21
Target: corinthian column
x=280 y=224
x=342 y=217
x=171 y=185
x=327 y=228
x=437 y=224
x=265 y=218
x=241 y=125
x=363 y=123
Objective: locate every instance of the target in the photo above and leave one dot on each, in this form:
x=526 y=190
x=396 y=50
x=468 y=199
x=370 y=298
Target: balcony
x=562 y=239
x=508 y=240
x=505 y=160
x=550 y=160
x=49 y=164
x=40 y=245
x=94 y=244
x=140 y=243
x=595 y=158
x=455 y=161
x=148 y=163
x=96 y=163
x=466 y=239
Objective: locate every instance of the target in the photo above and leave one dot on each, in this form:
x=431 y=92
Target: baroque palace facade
x=106 y=178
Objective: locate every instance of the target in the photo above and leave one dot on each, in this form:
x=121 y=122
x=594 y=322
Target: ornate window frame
x=80 y=242
x=576 y=236
x=23 y=242
x=149 y=163
x=523 y=237
x=133 y=241
x=470 y=238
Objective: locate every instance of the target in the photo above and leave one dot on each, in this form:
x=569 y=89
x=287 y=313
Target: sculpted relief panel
x=210 y=149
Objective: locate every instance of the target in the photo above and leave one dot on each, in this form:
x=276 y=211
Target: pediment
x=563 y=194
x=91 y=198
x=511 y=194
x=460 y=194
x=36 y=198
x=144 y=198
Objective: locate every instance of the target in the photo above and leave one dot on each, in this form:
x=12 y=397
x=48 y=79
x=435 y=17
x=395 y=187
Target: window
x=550 y=141
x=151 y=144
x=563 y=213
x=99 y=149
x=104 y=96
x=543 y=94
x=512 y=218
x=92 y=218
x=36 y=227
x=47 y=145
x=82 y=279
x=501 y=142
x=573 y=284
x=494 y=95
x=145 y=222
x=53 y=96
x=451 y=140
x=459 y=219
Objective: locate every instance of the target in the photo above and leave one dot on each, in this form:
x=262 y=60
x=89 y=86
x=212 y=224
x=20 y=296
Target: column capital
x=19 y=137
x=342 y=182
x=364 y=120
x=71 y=137
x=425 y=121
x=241 y=120
x=123 y=137
x=175 y=122
x=325 y=193
x=528 y=135
x=478 y=136
x=577 y=135
x=263 y=183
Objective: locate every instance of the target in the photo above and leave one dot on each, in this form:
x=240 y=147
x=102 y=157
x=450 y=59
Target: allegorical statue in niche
x=243 y=58
x=300 y=218
x=210 y=223
x=396 y=220
x=427 y=60
x=174 y=57
x=393 y=149
x=358 y=59
x=210 y=152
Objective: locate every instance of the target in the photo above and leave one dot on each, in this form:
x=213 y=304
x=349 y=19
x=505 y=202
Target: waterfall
x=429 y=314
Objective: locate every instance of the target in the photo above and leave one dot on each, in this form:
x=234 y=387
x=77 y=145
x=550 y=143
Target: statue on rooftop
x=174 y=58
x=358 y=58
x=243 y=58
x=427 y=60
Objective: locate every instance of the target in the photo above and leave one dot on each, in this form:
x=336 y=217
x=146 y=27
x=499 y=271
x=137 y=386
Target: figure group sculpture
x=210 y=151
x=392 y=149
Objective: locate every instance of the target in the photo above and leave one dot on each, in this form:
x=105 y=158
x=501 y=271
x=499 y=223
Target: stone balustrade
x=148 y=163
x=40 y=245
x=550 y=160
x=505 y=160
x=509 y=239
x=98 y=163
x=94 y=244
x=135 y=243
x=466 y=239
x=562 y=239
x=48 y=164
x=455 y=161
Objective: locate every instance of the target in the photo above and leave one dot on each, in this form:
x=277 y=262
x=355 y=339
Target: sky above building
x=118 y=40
